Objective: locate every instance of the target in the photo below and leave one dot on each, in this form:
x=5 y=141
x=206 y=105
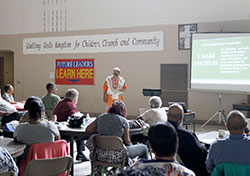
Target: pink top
x=45 y=151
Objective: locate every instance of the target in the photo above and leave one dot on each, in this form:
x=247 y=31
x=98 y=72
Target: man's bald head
x=236 y=121
x=176 y=113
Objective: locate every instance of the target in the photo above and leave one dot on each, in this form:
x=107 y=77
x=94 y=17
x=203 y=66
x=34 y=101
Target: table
x=19 y=106
x=209 y=137
x=71 y=132
x=14 y=148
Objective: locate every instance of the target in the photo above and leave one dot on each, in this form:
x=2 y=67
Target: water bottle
x=85 y=123
x=87 y=117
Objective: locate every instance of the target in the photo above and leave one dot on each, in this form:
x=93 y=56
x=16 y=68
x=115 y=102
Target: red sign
x=75 y=71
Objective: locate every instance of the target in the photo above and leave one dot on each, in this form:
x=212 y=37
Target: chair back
x=109 y=142
x=109 y=152
x=231 y=169
x=44 y=151
x=9 y=173
x=53 y=167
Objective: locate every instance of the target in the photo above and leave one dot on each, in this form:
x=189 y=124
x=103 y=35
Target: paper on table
x=78 y=114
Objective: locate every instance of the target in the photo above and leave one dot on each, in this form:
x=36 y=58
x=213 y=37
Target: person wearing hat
x=114 y=87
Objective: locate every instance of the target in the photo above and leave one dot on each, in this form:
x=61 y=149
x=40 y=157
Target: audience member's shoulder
x=172 y=167
x=62 y=101
x=121 y=117
x=185 y=131
x=43 y=97
x=149 y=110
x=146 y=113
x=22 y=125
x=103 y=114
x=48 y=123
x=219 y=142
x=56 y=96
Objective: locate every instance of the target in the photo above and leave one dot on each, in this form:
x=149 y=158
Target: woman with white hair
x=156 y=113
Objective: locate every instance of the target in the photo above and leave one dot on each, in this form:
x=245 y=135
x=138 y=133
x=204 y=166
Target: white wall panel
x=27 y=16
x=10 y=16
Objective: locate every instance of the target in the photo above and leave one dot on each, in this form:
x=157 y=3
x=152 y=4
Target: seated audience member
x=192 y=152
x=51 y=99
x=163 y=140
x=156 y=113
x=67 y=106
x=6 y=107
x=64 y=109
x=146 y=171
x=114 y=123
x=6 y=162
x=36 y=130
x=25 y=117
x=8 y=93
x=233 y=149
x=10 y=117
x=8 y=112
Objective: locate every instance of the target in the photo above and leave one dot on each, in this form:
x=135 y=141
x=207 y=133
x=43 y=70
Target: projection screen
x=220 y=62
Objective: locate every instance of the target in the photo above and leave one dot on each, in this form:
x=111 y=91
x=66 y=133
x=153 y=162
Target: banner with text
x=123 y=42
x=75 y=71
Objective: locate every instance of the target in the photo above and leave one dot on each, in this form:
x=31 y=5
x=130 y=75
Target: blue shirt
x=234 y=149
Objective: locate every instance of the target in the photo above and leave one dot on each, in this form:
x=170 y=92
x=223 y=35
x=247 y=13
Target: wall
x=140 y=69
x=29 y=16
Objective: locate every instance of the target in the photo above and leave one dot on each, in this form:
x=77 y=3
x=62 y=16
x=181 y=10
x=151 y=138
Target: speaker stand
x=220 y=113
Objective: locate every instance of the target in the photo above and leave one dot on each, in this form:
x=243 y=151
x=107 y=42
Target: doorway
x=174 y=83
x=6 y=68
x=1 y=74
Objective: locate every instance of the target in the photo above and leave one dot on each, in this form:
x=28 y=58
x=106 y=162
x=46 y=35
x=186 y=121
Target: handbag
x=76 y=121
x=135 y=124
